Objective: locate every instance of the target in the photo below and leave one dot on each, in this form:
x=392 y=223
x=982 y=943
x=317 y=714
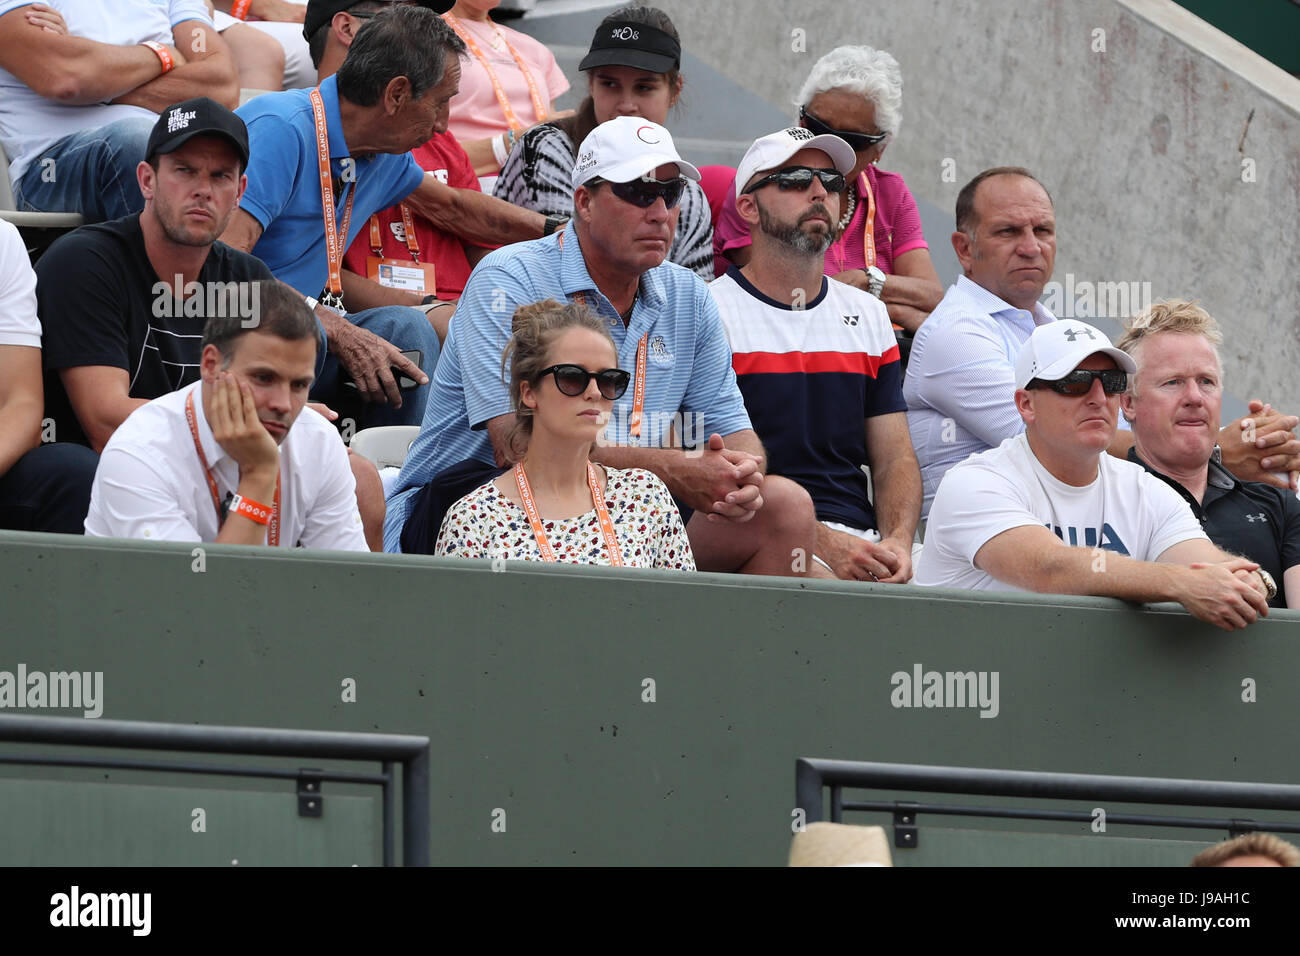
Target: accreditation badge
x=397 y=274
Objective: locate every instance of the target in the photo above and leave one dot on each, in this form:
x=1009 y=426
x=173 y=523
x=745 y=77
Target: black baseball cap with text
x=201 y=116
x=626 y=43
x=321 y=12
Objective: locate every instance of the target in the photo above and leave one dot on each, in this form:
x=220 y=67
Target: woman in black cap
x=633 y=69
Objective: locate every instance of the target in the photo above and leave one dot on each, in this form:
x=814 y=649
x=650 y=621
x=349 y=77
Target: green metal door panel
x=89 y=823
x=86 y=823
x=532 y=683
x=957 y=847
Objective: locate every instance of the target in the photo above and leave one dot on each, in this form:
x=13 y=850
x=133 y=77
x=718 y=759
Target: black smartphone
x=404 y=382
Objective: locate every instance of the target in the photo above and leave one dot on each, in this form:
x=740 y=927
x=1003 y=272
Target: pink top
x=898 y=227
x=475 y=111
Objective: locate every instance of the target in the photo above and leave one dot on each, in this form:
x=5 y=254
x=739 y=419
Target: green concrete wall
x=530 y=683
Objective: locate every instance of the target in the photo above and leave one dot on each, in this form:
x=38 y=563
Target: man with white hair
x=627 y=183
x=1049 y=511
x=1173 y=404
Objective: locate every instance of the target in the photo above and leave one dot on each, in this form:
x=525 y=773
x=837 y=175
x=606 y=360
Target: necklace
x=848 y=211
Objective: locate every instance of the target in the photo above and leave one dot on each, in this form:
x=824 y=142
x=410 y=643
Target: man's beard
x=793 y=236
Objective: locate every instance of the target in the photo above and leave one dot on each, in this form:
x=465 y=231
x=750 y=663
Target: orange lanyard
x=334 y=242
x=597 y=500
x=638 y=387
x=511 y=119
x=408 y=223
x=273 y=528
x=868 y=229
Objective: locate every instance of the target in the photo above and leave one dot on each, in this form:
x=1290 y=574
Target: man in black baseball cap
x=201 y=116
x=320 y=15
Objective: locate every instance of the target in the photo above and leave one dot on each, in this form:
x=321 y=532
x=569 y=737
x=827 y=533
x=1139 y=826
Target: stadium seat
x=385 y=446
x=38 y=229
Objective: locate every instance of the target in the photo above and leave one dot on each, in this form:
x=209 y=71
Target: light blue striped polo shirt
x=688 y=367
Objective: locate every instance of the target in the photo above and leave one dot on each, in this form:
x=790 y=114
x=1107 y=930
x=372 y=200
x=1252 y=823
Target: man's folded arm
x=208 y=70
x=73 y=70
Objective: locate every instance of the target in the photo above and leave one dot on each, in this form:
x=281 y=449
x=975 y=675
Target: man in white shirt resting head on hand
x=235 y=458
x=1048 y=510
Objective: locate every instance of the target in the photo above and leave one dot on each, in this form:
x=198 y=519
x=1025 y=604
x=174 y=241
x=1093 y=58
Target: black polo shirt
x=1245 y=517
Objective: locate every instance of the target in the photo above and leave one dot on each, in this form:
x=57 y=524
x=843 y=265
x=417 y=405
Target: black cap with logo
x=321 y=12
x=200 y=116
x=624 y=43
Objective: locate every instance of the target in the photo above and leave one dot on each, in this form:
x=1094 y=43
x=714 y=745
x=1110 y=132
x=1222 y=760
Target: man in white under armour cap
x=627 y=182
x=1048 y=510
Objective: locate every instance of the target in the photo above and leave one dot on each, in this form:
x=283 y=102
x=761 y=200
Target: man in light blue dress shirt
x=960 y=376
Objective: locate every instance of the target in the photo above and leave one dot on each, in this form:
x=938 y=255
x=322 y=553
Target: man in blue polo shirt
x=390 y=95
x=627 y=183
x=817 y=361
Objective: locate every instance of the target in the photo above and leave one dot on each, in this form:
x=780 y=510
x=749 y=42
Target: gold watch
x=1270 y=586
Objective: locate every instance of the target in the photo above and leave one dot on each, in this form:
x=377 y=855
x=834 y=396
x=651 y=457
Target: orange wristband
x=254 y=511
x=163 y=54
x=239 y=9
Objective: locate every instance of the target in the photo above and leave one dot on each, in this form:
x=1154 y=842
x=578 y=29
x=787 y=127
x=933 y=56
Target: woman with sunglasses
x=555 y=504
x=854 y=92
x=633 y=69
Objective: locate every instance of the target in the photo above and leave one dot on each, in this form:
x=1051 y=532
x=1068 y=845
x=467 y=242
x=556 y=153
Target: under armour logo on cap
x=1073 y=334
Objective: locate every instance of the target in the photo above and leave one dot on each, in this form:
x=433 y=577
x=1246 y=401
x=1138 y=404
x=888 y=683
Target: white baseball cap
x=626 y=148
x=1055 y=350
x=770 y=151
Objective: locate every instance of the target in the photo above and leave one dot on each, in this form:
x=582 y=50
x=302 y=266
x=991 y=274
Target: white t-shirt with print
x=1124 y=509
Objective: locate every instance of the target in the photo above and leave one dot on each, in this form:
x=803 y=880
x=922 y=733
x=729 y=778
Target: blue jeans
x=48 y=489
x=93 y=173
x=405 y=328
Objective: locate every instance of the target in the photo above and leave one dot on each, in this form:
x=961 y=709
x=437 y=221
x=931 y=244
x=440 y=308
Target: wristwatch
x=1270 y=586
x=553 y=223
x=875 y=281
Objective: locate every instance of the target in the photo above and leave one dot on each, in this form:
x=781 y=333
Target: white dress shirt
x=960 y=382
x=150 y=483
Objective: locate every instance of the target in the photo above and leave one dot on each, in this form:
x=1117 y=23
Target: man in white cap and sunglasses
x=683 y=416
x=817 y=361
x=1048 y=510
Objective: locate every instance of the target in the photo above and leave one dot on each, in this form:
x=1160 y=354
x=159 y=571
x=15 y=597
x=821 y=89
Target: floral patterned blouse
x=487 y=524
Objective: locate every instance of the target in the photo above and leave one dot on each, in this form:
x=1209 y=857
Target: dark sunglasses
x=800 y=178
x=859 y=141
x=642 y=193
x=1079 y=382
x=572 y=380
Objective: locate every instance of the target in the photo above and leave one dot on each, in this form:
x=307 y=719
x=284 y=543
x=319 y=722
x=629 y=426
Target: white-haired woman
x=856 y=93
